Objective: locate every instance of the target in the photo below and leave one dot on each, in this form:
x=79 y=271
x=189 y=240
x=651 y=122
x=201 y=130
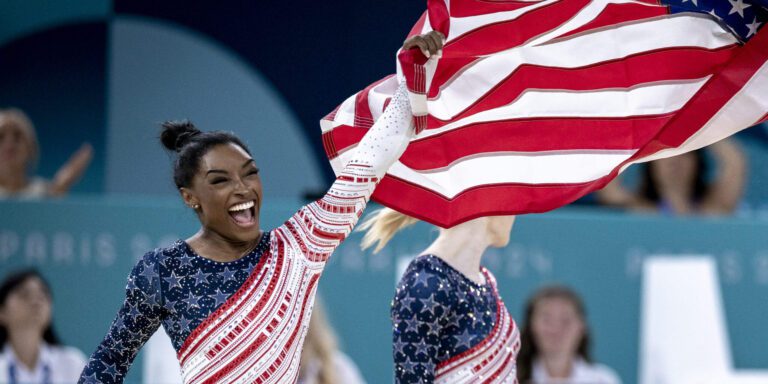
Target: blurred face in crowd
x=28 y=306
x=227 y=187
x=557 y=327
x=499 y=228
x=16 y=150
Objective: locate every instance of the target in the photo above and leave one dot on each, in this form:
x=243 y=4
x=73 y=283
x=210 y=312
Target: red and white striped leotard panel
x=490 y=361
x=256 y=336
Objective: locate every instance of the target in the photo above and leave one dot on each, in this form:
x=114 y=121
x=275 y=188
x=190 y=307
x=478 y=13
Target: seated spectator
x=321 y=360
x=31 y=352
x=679 y=185
x=555 y=342
x=18 y=156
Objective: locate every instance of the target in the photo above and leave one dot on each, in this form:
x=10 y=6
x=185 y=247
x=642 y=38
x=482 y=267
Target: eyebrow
x=250 y=161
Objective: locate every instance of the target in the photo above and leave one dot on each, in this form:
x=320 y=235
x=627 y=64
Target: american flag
x=534 y=104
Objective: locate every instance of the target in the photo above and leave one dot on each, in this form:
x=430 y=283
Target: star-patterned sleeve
x=324 y=224
x=138 y=318
x=419 y=311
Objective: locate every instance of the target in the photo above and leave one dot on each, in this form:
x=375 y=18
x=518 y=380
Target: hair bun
x=176 y=134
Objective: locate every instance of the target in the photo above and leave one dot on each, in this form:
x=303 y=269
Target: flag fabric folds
x=534 y=104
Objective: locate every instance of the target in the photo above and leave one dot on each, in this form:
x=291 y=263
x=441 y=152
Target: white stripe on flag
x=494 y=168
x=649 y=99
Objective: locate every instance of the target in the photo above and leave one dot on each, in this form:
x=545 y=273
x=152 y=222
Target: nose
x=241 y=188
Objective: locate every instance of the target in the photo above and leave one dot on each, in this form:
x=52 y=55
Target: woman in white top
x=555 y=342
x=31 y=352
x=18 y=156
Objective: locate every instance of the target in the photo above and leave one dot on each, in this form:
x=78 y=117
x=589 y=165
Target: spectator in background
x=321 y=360
x=679 y=185
x=18 y=157
x=555 y=342
x=31 y=352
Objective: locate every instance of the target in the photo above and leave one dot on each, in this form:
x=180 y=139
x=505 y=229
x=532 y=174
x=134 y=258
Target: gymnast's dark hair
x=190 y=145
x=529 y=351
x=11 y=282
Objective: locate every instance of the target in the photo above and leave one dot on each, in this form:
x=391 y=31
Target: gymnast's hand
x=429 y=43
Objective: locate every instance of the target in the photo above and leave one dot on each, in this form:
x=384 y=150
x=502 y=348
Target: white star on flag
x=738 y=6
x=753 y=27
x=695 y=2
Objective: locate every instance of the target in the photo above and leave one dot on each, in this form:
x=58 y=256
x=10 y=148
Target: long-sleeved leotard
x=448 y=329
x=245 y=321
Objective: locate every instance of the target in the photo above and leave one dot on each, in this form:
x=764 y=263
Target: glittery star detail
x=407 y=301
x=91 y=379
x=133 y=311
x=399 y=347
x=430 y=305
x=422 y=348
x=219 y=298
x=169 y=305
x=227 y=274
x=148 y=272
x=111 y=370
x=192 y=300
x=131 y=284
x=408 y=365
x=173 y=280
x=465 y=339
x=201 y=277
x=184 y=323
x=119 y=323
x=411 y=325
x=186 y=261
x=421 y=278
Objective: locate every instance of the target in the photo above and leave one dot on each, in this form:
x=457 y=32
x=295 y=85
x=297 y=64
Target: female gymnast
x=236 y=300
x=449 y=323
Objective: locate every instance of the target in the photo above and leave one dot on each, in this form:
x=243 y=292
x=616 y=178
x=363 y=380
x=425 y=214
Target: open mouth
x=243 y=214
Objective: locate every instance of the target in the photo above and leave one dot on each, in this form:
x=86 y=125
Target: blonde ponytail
x=381 y=226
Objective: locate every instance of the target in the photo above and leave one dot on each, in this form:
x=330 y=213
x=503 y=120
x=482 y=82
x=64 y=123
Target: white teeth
x=242 y=206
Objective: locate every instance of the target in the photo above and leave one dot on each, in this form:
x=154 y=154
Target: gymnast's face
x=227 y=188
x=499 y=229
x=557 y=327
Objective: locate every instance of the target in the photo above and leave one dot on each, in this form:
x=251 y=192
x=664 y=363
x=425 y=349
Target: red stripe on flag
x=503 y=35
x=763 y=119
x=439 y=18
x=528 y=135
x=485 y=200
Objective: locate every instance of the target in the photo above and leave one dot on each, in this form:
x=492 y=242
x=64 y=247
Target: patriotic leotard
x=448 y=329
x=245 y=321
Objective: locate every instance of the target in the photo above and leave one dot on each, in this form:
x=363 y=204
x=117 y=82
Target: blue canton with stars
x=743 y=17
x=437 y=313
x=174 y=287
